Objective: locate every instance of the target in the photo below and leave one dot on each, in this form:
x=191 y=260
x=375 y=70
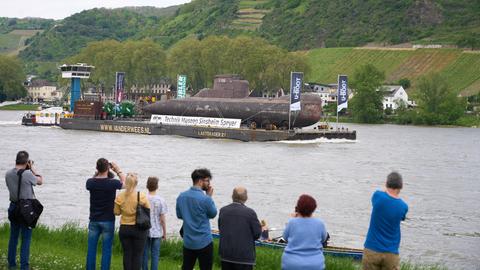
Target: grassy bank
x=20 y=107
x=66 y=247
x=464 y=121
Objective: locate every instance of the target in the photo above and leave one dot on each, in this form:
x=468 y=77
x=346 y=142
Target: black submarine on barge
x=262 y=119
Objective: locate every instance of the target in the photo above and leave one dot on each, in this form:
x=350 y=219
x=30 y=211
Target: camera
x=29 y=164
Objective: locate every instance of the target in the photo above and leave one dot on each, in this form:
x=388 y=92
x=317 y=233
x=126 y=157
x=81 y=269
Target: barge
x=225 y=112
x=243 y=133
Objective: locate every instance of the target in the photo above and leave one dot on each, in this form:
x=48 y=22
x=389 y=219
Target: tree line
x=437 y=101
x=11 y=79
x=265 y=66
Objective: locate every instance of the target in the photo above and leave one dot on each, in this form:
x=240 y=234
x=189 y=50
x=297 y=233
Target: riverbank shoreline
x=470 y=122
x=65 y=247
x=20 y=107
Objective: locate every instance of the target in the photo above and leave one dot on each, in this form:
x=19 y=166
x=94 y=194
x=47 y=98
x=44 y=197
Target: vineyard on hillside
x=461 y=69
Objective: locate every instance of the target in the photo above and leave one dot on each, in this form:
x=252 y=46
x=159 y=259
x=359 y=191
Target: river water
x=440 y=167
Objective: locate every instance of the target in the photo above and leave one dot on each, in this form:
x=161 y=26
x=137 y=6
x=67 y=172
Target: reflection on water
x=439 y=166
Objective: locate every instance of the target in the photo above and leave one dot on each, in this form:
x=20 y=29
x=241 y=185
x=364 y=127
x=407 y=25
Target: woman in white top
x=158 y=209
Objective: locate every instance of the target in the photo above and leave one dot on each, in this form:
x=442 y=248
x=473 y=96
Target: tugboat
x=47 y=117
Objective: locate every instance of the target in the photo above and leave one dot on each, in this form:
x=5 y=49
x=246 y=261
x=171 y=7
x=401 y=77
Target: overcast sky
x=59 y=9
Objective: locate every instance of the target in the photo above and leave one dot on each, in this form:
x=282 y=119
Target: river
x=440 y=167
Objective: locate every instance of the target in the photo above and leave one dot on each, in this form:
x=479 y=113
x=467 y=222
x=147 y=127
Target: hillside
x=12 y=43
x=290 y=24
x=306 y=24
x=9 y=24
x=68 y=36
x=154 y=11
x=15 y=32
x=461 y=69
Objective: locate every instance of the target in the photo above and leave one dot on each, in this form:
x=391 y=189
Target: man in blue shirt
x=383 y=237
x=196 y=207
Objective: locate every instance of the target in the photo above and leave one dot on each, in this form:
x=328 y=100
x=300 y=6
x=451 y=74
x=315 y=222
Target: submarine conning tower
x=226 y=86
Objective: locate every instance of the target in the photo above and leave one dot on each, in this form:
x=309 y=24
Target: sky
x=59 y=9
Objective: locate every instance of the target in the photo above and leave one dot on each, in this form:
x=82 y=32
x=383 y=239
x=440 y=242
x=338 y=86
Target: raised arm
x=38 y=177
x=211 y=208
x=163 y=223
x=122 y=176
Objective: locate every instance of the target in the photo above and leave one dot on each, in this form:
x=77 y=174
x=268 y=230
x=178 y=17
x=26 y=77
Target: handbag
x=142 y=216
x=27 y=211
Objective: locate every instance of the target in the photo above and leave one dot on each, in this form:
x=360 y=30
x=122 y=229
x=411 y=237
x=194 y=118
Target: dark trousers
x=204 y=255
x=236 y=266
x=133 y=242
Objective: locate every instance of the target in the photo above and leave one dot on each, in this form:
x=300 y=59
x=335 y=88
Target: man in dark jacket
x=239 y=228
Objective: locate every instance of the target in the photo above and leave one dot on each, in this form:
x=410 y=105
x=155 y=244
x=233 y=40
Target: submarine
x=230 y=98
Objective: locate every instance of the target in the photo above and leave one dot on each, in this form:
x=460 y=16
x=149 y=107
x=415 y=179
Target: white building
x=327 y=92
x=42 y=90
x=394 y=95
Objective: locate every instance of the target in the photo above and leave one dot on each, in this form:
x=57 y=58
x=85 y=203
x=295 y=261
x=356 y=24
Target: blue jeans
x=106 y=230
x=152 y=247
x=15 y=230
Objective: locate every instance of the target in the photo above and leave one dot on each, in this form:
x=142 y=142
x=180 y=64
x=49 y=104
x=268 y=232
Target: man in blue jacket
x=383 y=238
x=196 y=207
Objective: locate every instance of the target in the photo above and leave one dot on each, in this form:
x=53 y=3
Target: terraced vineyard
x=14 y=42
x=249 y=16
x=461 y=69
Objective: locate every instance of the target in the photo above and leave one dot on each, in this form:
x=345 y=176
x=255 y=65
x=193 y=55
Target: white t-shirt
x=157 y=207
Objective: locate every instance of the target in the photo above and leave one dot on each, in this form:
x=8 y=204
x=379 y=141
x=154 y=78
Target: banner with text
x=181 y=86
x=119 y=86
x=342 y=92
x=195 y=121
x=296 y=83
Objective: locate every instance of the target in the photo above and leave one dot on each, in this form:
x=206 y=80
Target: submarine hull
x=262 y=111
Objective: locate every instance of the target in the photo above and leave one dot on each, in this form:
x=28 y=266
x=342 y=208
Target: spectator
x=132 y=238
x=30 y=178
x=195 y=207
x=305 y=236
x=102 y=188
x=383 y=237
x=158 y=232
x=239 y=228
x=265 y=231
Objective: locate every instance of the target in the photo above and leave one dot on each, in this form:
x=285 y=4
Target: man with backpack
x=25 y=171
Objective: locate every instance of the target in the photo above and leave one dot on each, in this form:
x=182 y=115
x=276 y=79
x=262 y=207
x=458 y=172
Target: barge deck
x=242 y=134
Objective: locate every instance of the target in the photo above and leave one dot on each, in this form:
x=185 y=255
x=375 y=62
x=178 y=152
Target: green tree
x=469 y=41
x=11 y=79
x=437 y=102
x=366 y=103
x=405 y=83
x=144 y=62
x=265 y=66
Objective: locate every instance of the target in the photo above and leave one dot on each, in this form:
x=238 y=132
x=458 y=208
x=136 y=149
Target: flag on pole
x=342 y=92
x=181 y=86
x=119 y=86
x=296 y=83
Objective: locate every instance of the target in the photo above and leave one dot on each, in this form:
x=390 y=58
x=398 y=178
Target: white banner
x=195 y=121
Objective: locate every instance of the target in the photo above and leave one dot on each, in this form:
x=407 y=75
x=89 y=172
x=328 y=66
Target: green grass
x=19 y=107
x=469 y=121
x=250 y=4
x=66 y=248
x=461 y=69
x=8 y=42
x=248 y=17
